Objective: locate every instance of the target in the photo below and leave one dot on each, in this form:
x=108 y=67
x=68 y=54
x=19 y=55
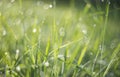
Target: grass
x=39 y=39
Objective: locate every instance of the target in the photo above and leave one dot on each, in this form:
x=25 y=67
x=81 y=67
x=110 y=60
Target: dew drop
x=62 y=31
x=34 y=30
x=17 y=51
x=50 y=6
x=84 y=31
x=46 y=63
x=18 y=68
x=109 y=2
x=4 y=32
x=6 y=53
x=46 y=6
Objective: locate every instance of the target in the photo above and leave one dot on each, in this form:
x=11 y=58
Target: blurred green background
x=59 y=38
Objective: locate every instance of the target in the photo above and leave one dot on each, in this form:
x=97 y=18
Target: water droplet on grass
x=6 y=53
x=46 y=63
x=34 y=30
x=62 y=31
x=18 y=68
x=17 y=54
x=84 y=31
x=50 y=6
x=46 y=6
x=109 y=2
x=4 y=32
x=17 y=51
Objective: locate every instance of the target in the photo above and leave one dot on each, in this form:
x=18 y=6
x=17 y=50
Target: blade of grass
x=65 y=45
x=104 y=29
x=112 y=60
x=83 y=53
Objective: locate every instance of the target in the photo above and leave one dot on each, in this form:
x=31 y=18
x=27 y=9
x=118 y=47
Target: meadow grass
x=39 y=39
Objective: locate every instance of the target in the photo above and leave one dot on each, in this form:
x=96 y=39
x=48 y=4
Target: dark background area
x=81 y=3
x=114 y=12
